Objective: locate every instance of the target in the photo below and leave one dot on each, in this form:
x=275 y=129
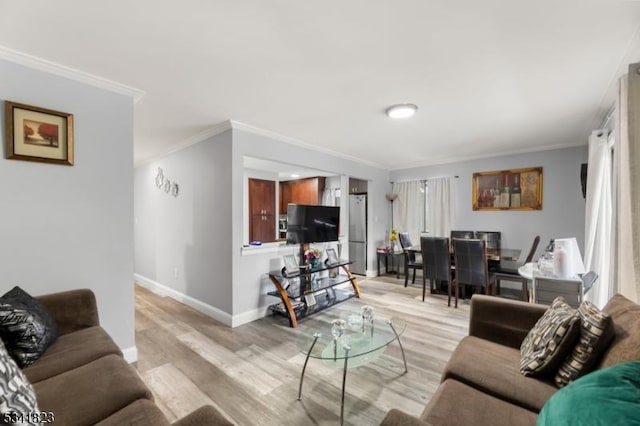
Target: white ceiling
x=489 y=77
x=284 y=171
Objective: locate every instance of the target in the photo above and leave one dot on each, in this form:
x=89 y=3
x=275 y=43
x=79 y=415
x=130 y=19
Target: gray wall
x=65 y=227
x=190 y=233
x=249 y=280
x=201 y=232
x=562 y=213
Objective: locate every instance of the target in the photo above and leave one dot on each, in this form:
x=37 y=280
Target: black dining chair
x=508 y=271
x=471 y=265
x=410 y=259
x=492 y=238
x=463 y=235
x=588 y=280
x=437 y=264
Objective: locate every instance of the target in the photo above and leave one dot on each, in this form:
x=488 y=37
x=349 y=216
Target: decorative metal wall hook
x=165 y=184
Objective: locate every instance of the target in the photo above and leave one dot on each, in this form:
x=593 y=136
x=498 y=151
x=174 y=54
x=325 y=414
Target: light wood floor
x=251 y=373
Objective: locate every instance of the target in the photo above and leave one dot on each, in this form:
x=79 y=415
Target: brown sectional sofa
x=482 y=383
x=83 y=379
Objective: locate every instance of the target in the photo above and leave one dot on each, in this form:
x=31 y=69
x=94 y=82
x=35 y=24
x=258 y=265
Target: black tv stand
x=312 y=290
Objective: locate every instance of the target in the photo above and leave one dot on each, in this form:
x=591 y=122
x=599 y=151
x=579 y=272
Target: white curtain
x=408 y=212
x=439 y=206
x=599 y=229
x=627 y=257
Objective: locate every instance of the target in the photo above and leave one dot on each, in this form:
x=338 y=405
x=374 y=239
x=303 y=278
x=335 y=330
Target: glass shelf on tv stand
x=312 y=290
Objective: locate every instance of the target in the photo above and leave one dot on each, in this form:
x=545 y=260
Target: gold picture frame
x=38 y=134
x=517 y=189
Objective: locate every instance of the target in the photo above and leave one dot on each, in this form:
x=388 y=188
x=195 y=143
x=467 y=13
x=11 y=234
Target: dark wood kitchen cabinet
x=285 y=196
x=357 y=186
x=303 y=191
x=262 y=210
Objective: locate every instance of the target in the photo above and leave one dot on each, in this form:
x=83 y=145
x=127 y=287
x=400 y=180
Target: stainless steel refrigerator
x=358 y=233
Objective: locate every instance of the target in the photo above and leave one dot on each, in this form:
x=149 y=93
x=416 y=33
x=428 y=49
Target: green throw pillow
x=606 y=397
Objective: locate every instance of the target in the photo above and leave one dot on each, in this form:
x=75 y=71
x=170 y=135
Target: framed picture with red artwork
x=38 y=134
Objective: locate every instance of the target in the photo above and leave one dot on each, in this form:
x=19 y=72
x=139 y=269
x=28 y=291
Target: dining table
x=503 y=254
x=496 y=255
x=506 y=257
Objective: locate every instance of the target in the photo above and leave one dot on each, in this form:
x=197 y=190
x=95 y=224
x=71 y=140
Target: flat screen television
x=312 y=224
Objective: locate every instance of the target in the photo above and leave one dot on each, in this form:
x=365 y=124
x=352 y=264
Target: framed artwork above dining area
x=517 y=189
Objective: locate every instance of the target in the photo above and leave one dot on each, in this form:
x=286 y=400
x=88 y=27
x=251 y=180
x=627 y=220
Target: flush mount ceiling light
x=401 y=110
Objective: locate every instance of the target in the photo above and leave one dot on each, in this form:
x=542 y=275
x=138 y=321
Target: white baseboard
x=371 y=274
x=196 y=304
x=130 y=354
x=247 y=317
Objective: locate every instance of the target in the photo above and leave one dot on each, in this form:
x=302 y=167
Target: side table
x=383 y=253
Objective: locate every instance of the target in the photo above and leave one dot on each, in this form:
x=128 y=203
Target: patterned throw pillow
x=549 y=341
x=596 y=332
x=16 y=393
x=26 y=327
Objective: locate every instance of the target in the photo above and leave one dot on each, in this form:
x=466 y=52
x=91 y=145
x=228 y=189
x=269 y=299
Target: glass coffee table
x=360 y=342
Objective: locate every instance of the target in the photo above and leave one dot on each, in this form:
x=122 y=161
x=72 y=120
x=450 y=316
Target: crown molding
x=236 y=125
x=286 y=139
x=459 y=159
x=202 y=136
x=191 y=140
x=50 y=67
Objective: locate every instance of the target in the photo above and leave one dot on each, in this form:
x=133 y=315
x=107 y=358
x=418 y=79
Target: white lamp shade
x=572 y=263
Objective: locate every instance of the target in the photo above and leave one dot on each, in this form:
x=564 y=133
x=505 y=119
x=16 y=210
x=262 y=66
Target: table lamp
x=567 y=258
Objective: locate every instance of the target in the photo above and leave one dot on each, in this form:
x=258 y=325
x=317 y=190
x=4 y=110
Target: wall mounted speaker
x=583 y=179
